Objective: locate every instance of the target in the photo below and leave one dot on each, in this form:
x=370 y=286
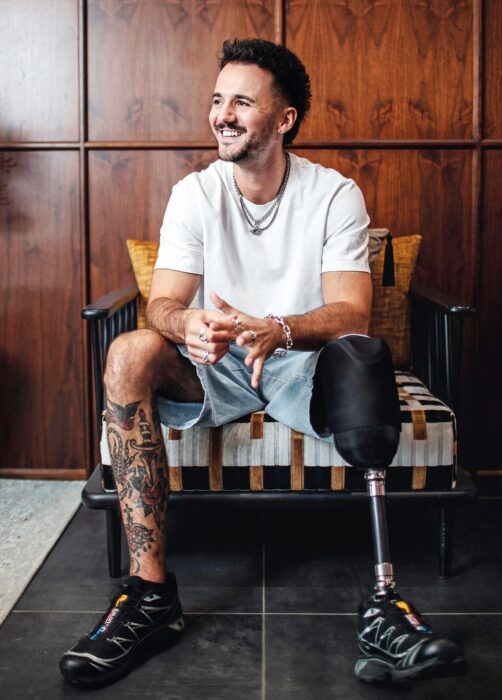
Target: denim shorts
x=284 y=393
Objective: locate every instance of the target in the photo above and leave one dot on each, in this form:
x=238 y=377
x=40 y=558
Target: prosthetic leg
x=355 y=397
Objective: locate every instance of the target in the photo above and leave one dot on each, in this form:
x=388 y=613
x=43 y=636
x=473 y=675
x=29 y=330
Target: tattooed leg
x=138 y=364
x=140 y=469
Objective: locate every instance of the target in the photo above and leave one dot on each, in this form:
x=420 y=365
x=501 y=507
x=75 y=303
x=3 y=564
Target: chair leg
x=113 y=541
x=384 y=572
x=446 y=516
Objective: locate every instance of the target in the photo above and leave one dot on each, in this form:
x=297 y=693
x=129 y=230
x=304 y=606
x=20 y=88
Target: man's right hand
x=200 y=339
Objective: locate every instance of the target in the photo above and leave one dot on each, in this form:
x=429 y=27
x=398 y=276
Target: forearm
x=314 y=329
x=168 y=317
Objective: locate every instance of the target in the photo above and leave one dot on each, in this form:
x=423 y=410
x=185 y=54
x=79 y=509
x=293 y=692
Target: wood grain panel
x=418 y=191
x=488 y=367
x=39 y=70
x=128 y=194
x=43 y=410
x=152 y=64
x=493 y=67
x=385 y=70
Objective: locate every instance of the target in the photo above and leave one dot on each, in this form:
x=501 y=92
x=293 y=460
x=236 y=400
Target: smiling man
x=260 y=298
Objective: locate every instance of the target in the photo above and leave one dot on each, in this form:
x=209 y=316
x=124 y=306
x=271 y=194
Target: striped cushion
x=257 y=453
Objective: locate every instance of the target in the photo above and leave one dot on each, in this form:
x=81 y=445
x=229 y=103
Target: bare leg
x=139 y=364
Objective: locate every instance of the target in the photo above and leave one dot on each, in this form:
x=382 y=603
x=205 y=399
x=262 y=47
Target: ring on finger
x=206 y=359
x=238 y=325
x=253 y=337
x=202 y=336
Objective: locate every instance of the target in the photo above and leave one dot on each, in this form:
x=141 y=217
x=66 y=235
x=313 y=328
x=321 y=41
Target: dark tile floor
x=270 y=597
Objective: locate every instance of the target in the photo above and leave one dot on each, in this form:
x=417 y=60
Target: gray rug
x=33 y=514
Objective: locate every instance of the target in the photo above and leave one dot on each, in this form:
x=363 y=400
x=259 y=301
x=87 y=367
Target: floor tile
x=313 y=657
x=216 y=555
x=322 y=561
x=218 y=658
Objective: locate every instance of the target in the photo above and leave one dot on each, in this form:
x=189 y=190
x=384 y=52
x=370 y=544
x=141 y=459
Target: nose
x=226 y=113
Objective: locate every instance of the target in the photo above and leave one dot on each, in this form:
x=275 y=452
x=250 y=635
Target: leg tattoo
x=140 y=468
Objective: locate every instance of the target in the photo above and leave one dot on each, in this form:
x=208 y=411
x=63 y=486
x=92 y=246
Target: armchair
x=257 y=458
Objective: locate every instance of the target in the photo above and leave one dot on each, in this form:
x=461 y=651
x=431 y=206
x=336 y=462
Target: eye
x=216 y=101
x=241 y=103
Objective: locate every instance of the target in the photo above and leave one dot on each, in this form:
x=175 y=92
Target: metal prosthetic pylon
x=384 y=572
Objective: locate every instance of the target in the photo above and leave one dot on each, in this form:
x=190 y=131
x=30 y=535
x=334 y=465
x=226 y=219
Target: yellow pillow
x=390 y=317
x=143 y=255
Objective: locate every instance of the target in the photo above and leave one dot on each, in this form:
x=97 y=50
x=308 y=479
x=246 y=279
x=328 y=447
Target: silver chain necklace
x=256 y=228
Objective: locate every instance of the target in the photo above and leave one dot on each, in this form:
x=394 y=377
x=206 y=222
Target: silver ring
x=205 y=359
x=253 y=337
x=202 y=336
x=238 y=325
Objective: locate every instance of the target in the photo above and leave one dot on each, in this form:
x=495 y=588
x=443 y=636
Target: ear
x=287 y=120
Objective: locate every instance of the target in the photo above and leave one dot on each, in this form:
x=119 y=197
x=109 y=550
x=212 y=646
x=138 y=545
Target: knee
x=131 y=357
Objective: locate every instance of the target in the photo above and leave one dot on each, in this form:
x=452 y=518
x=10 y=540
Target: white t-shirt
x=321 y=226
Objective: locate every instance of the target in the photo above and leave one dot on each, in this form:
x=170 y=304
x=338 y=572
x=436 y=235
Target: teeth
x=228 y=132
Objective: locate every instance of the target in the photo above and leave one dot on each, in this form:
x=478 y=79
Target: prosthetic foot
x=355 y=394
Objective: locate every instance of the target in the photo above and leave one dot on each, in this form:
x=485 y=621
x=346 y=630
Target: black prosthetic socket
x=355 y=397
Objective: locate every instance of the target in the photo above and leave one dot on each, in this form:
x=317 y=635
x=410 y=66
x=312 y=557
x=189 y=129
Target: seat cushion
x=256 y=453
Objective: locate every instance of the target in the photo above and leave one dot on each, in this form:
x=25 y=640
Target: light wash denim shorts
x=284 y=393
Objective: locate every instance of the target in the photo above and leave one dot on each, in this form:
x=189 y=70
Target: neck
x=261 y=183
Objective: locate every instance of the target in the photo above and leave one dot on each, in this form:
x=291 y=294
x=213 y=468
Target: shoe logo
x=417 y=624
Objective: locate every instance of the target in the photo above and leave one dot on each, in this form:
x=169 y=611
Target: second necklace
x=256 y=227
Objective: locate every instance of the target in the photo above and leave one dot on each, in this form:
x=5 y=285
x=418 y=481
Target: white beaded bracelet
x=282 y=352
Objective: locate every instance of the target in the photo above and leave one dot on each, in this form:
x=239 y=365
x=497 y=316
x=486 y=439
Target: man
x=274 y=250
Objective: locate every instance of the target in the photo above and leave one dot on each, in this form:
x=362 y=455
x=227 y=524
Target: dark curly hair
x=290 y=78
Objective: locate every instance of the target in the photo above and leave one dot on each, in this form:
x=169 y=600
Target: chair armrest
x=108 y=317
x=445 y=302
x=109 y=304
x=437 y=327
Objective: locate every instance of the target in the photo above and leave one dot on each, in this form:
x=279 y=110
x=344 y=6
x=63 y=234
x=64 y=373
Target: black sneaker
x=139 y=613
x=396 y=645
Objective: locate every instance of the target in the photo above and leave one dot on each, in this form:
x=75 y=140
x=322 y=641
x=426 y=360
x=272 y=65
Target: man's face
x=245 y=113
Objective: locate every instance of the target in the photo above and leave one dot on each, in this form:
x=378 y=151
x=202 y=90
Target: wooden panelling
x=488 y=366
x=39 y=70
x=418 y=191
x=128 y=194
x=493 y=68
x=385 y=70
x=43 y=410
x=152 y=64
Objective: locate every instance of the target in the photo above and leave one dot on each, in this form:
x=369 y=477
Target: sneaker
x=396 y=645
x=139 y=613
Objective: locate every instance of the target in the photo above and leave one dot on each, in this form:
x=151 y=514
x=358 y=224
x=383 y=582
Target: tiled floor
x=270 y=597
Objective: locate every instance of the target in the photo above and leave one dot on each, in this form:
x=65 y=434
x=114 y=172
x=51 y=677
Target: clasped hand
x=208 y=335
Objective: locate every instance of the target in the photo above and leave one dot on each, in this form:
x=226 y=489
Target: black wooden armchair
x=213 y=474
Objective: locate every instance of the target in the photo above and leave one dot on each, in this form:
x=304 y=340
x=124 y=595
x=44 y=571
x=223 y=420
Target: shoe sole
x=169 y=633
x=375 y=670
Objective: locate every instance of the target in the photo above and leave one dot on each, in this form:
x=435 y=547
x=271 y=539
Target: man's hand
x=205 y=344
x=259 y=336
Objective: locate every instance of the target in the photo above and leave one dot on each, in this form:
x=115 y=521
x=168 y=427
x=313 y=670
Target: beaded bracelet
x=282 y=352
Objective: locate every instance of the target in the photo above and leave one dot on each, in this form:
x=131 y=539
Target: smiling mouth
x=230 y=133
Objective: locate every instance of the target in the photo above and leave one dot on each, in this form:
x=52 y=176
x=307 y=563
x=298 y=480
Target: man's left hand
x=259 y=336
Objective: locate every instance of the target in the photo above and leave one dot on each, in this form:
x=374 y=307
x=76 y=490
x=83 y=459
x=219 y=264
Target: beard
x=251 y=148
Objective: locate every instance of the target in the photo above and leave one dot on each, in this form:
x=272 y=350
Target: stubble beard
x=251 y=149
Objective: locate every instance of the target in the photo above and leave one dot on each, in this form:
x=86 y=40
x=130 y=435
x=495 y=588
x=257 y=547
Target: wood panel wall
x=104 y=107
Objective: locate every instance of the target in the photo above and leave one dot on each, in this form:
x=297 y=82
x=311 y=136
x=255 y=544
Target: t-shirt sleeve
x=346 y=242
x=181 y=245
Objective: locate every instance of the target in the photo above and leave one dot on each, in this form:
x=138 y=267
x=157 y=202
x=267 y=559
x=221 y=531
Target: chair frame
x=436 y=350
